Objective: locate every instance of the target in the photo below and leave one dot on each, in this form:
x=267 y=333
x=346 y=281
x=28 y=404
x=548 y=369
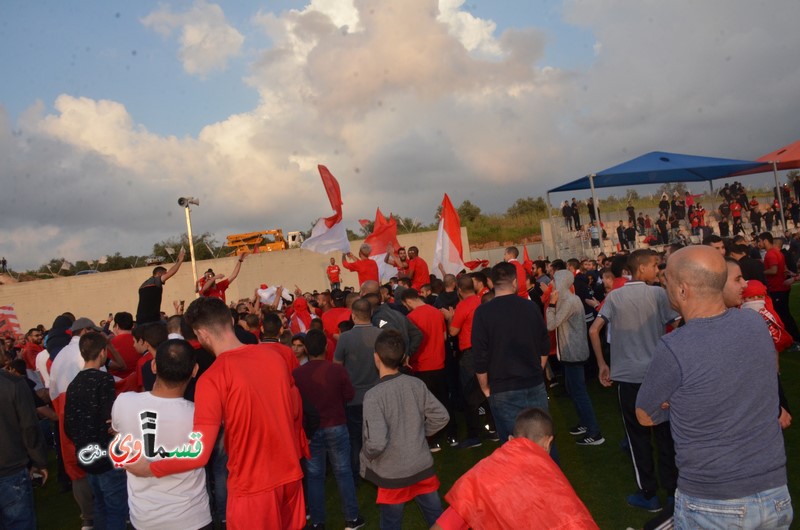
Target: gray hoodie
x=568 y=320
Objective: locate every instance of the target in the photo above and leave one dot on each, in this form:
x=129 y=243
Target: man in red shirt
x=511 y=254
x=366 y=268
x=250 y=389
x=428 y=362
x=417 y=269
x=777 y=286
x=331 y=319
x=460 y=324
x=123 y=342
x=33 y=345
x=334 y=275
x=215 y=285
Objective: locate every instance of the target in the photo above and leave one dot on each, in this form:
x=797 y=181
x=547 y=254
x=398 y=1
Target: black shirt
x=150 y=292
x=752 y=269
x=509 y=338
x=446 y=299
x=90 y=397
x=20 y=435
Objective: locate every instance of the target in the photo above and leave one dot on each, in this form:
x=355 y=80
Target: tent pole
x=778 y=193
x=596 y=210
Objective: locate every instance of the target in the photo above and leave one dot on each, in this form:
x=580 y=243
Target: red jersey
x=286 y=353
x=430 y=355
x=736 y=209
x=462 y=319
x=334 y=273
x=418 y=272
x=124 y=345
x=217 y=290
x=251 y=390
x=367 y=269
x=330 y=325
x=144 y=359
x=775 y=281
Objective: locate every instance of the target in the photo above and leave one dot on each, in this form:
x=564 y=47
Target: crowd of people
x=228 y=412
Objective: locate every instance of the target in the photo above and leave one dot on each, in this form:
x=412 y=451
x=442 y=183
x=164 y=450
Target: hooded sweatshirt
x=567 y=319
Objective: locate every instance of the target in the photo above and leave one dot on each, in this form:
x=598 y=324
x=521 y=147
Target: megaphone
x=186 y=201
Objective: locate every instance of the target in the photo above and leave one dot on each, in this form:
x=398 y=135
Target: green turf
x=602 y=475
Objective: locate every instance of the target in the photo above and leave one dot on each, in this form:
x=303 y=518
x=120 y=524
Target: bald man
x=714 y=380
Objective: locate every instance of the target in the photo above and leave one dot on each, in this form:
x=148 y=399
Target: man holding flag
x=448 y=257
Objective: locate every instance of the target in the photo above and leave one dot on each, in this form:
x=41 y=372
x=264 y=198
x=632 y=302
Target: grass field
x=602 y=475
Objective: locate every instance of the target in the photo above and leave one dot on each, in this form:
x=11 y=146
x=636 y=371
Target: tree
x=468 y=211
x=631 y=194
x=792 y=176
x=671 y=187
x=205 y=247
x=527 y=207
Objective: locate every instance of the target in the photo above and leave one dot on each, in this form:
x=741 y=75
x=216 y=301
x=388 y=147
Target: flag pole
x=778 y=193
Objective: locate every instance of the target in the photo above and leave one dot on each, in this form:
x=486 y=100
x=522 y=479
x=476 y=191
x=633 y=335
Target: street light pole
x=185 y=202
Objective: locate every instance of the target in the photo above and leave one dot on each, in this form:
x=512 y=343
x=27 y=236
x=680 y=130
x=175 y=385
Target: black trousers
x=640 y=440
x=436 y=381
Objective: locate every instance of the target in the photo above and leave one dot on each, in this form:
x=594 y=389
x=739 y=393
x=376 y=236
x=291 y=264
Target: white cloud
x=401 y=109
x=207 y=40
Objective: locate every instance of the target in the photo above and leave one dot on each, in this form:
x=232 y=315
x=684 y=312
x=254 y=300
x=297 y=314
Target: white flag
x=66 y=265
x=169 y=250
x=103 y=260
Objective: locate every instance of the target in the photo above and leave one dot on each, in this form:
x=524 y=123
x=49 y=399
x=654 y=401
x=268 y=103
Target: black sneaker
x=317 y=526
x=452 y=441
x=577 y=430
x=469 y=443
x=596 y=439
x=355 y=524
x=435 y=447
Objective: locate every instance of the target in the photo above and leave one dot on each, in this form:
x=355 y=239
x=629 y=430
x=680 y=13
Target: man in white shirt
x=163 y=421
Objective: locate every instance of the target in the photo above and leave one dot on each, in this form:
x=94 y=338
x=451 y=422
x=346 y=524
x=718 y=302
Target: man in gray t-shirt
x=637 y=314
x=355 y=350
x=718 y=375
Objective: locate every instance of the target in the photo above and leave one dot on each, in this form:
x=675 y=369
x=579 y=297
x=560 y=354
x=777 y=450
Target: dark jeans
x=575 y=382
x=780 y=300
x=110 y=491
x=392 y=514
x=331 y=442
x=355 y=420
x=641 y=447
x=473 y=396
x=436 y=381
x=16 y=501
x=217 y=478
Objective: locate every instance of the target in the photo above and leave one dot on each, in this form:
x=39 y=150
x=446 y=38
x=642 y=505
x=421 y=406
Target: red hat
x=754 y=289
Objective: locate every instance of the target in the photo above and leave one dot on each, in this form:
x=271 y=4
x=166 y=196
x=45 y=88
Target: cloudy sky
x=110 y=110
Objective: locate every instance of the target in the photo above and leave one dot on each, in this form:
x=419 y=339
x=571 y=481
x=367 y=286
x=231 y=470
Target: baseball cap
x=83 y=323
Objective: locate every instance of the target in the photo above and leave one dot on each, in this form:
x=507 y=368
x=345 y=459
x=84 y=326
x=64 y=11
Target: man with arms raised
x=149 y=309
x=714 y=379
x=250 y=389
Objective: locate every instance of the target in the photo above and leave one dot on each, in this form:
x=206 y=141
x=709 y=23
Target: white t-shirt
x=41 y=367
x=173 y=502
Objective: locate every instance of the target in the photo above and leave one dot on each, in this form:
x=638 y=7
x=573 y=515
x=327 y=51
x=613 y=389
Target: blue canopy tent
x=656 y=168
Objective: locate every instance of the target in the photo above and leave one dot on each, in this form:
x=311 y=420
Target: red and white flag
x=9 y=323
x=449 y=252
x=329 y=234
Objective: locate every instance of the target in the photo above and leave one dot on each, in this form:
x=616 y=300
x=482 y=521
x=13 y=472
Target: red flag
x=526 y=260
x=474 y=264
x=384 y=231
x=334 y=195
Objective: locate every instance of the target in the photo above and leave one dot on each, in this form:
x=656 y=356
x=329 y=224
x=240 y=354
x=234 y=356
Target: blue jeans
x=575 y=381
x=110 y=491
x=392 y=514
x=333 y=442
x=16 y=501
x=767 y=509
x=507 y=405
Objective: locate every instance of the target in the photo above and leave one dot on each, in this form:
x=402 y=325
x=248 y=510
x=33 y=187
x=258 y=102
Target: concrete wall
x=97 y=295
